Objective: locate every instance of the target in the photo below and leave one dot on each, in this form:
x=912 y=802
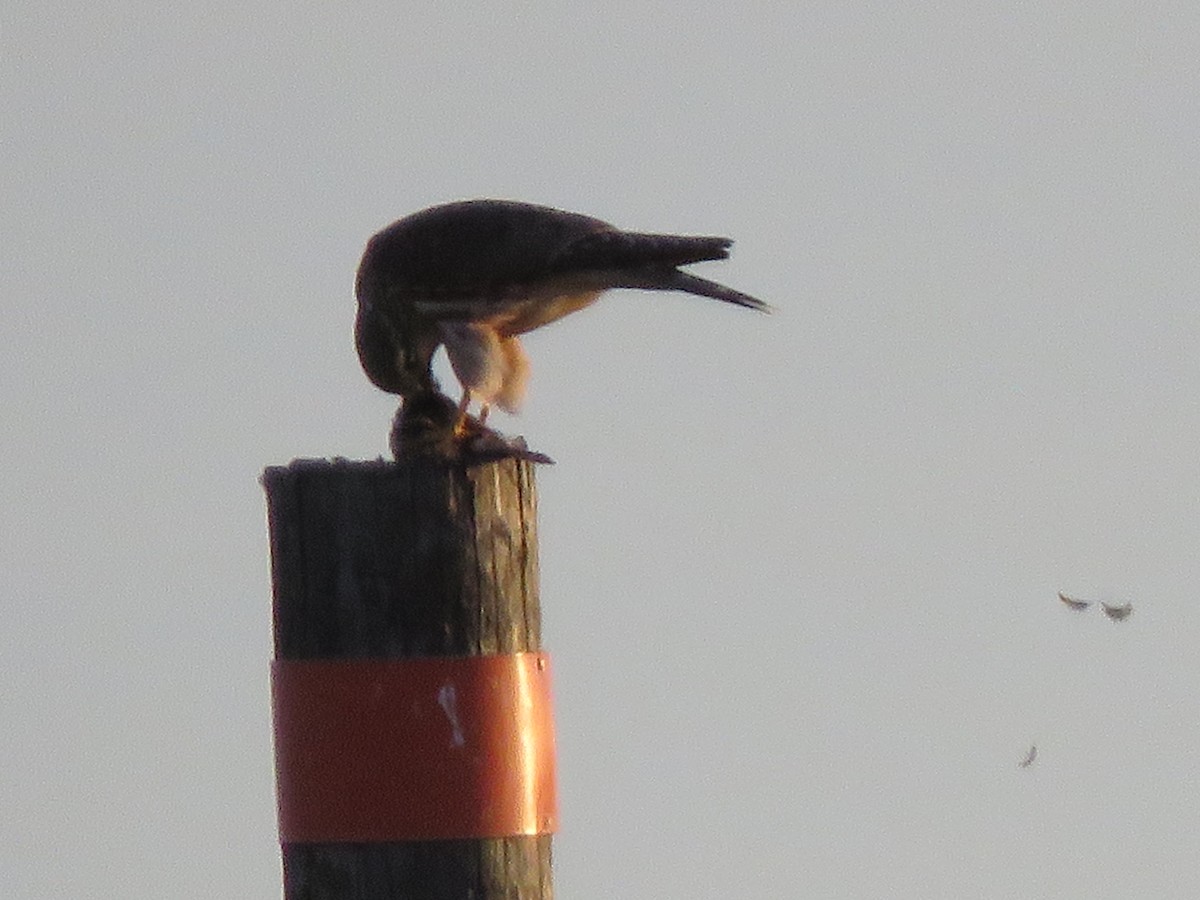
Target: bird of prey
x=1117 y=613
x=1073 y=603
x=477 y=274
x=1029 y=757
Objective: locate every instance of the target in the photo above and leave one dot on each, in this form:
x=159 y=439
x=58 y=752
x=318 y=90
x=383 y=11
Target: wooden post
x=419 y=558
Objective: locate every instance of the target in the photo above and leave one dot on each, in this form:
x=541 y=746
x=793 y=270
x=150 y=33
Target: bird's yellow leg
x=460 y=424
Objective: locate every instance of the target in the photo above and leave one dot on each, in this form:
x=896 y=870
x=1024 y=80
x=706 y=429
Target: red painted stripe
x=416 y=749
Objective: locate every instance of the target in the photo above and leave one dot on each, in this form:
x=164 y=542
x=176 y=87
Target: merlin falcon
x=475 y=275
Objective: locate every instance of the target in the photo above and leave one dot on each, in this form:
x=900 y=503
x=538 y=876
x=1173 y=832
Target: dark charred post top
x=381 y=560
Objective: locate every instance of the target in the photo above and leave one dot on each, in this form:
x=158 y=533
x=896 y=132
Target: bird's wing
x=451 y=255
x=626 y=259
x=1072 y=602
x=614 y=249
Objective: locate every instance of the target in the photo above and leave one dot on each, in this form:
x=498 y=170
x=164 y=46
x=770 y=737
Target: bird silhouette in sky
x=1072 y=603
x=1117 y=613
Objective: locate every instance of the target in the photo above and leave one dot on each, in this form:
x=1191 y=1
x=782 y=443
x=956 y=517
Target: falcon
x=1077 y=605
x=1029 y=757
x=475 y=275
x=1117 y=613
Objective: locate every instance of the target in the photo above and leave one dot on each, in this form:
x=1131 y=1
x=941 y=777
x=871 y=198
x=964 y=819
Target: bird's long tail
x=693 y=284
x=660 y=278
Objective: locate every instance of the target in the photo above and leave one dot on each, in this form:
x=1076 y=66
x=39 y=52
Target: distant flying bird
x=475 y=275
x=1117 y=613
x=1029 y=757
x=1072 y=602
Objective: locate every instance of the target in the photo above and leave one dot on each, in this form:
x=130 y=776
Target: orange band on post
x=415 y=749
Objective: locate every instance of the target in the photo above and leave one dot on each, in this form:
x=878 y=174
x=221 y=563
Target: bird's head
x=397 y=357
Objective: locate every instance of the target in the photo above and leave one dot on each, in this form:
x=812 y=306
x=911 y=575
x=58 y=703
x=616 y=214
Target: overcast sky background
x=799 y=571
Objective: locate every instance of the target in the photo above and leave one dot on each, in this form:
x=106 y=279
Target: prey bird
x=477 y=274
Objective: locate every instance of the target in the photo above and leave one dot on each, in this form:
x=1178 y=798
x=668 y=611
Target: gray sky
x=799 y=572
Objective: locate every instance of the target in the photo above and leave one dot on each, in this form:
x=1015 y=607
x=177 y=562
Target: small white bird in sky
x=1117 y=613
x=1077 y=605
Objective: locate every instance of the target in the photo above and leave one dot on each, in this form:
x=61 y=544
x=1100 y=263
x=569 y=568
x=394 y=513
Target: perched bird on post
x=475 y=275
x=1073 y=603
